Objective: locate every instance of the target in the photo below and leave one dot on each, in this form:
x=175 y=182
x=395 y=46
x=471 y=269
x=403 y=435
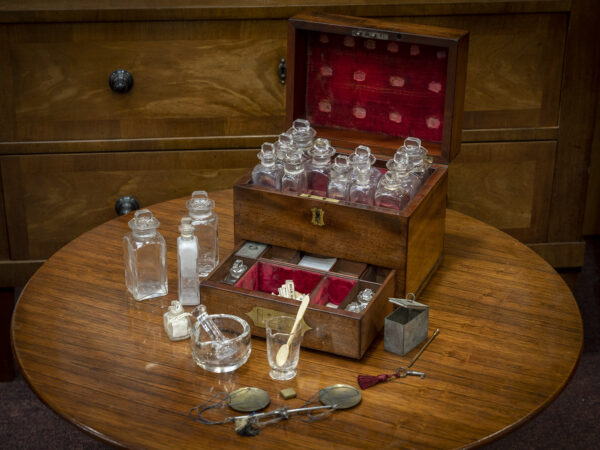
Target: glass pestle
x=223 y=348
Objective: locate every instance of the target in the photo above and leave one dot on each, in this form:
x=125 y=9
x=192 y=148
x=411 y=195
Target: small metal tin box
x=406 y=327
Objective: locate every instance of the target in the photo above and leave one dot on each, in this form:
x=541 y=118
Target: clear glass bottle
x=177 y=322
x=402 y=168
x=319 y=166
x=206 y=229
x=391 y=193
x=361 y=189
x=362 y=301
x=282 y=145
x=362 y=153
x=267 y=173
x=145 y=253
x=187 y=264
x=417 y=156
x=339 y=178
x=303 y=135
x=294 y=175
x=238 y=268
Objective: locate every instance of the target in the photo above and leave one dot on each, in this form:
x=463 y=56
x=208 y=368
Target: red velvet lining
x=333 y=290
x=377 y=86
x=268 y=278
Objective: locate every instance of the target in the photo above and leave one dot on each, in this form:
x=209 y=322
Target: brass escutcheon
x=318 y=217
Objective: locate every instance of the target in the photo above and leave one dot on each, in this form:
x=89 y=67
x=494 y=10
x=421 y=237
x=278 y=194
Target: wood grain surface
x=510 y=338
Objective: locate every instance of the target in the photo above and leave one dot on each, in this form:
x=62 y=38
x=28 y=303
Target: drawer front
x=191 y=79
x=514 y=68
x=51 y=199
x=508 y=185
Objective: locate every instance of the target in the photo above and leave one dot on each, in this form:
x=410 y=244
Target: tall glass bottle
x=303 y=135
x=206 y=230
x=361 y=188
x=417 y=157
x=145 y=253
x=318 y=168
x=339 y=179
x=187 y=264
x=294 y=175
x=267 y=173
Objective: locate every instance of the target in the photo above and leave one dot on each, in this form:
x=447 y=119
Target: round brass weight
x=248 y=399
x=340 y=396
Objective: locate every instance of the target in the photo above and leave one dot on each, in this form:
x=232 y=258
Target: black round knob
x=120 y=81
x=126 y=204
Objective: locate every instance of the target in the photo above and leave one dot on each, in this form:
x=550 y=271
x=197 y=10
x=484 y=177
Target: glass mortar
x=205 y=350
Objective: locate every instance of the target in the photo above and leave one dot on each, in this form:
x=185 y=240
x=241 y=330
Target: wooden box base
x=332 y=330
x=410 y=241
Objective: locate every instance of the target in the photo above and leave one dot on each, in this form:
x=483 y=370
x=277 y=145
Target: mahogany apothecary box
x=358 y=81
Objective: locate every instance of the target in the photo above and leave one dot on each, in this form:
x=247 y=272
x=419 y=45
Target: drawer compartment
x=191 y=79
x=329 y=326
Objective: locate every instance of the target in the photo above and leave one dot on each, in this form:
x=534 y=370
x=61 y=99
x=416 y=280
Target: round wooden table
x=510 y=338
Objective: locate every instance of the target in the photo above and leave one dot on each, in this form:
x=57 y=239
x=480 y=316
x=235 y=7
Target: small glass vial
x=145 y=253
x=267 y=173
x=417 y=157
x=187 y=264
x=237 y=270
x=206 y=229
x=303 y=135
x=319 y=166
x=282 y=146
x=339 y=178
x=362 y=301
x=177 y=322
x=294 y=175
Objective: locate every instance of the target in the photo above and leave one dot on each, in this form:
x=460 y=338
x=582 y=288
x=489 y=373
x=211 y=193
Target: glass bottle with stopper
x=294 y=175
x=237 y=270
x=145 y=253
x=303 y=135
x=362 y=186
x=187 y=264
x=206 y=229
x=267 y=173
x=282 y=145
x=339 y=178
x=396 y=187
x=319 y=166
x=362 y=301
x=362 y=153
x=402 y=181
x=177 y=322
x=417 y=156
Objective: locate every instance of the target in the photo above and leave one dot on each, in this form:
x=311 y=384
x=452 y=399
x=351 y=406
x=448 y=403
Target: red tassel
x=366 y=381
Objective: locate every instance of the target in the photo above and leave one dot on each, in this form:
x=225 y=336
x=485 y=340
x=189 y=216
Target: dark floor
x=571 y=422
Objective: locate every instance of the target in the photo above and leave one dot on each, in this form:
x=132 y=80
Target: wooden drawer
x=330 y=329
x=196 y=78
x=508 y=185
x=51 y=199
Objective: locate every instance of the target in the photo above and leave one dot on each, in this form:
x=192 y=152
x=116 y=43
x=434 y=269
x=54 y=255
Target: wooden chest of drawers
x=207 y=93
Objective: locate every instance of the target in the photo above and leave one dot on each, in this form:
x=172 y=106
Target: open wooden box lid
x=364 y=81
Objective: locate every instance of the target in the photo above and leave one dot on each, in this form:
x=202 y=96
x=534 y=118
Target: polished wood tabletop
x=510 y=338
